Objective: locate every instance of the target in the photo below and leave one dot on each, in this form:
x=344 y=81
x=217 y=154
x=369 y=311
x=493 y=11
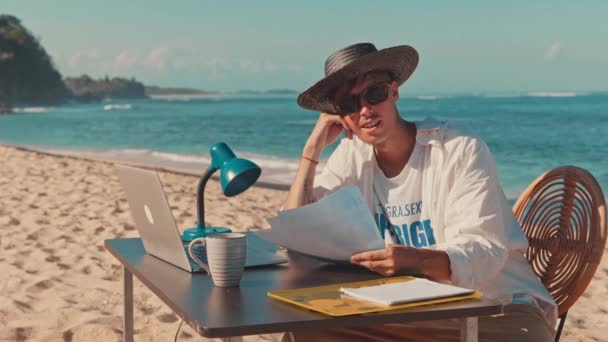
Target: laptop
x=159 y=233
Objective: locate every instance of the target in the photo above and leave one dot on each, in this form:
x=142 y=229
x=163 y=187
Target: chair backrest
x=563 y=213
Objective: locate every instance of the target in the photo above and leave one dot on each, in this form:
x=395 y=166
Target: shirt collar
x=430 y=131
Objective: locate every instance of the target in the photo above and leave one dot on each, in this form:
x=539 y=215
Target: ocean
x=527 y=133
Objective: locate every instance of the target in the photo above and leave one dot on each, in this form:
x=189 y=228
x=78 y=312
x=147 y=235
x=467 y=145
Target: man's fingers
x=358 y=258
x=383 y=267
x=335 y=120
x=372 y=265
x=347 y=131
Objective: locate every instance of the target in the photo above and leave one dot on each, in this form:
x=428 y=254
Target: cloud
x=124 y=60
x=82 y=56
x=157 y=58
x=179 y=63
x=183 y=57
x=55 y=55
x=215 y=74
x=252 y=66
x=248 y=65
x=170 y=59
x=271 y=67
x=167 y=57
x=217 y=66
x=294 y=68
x=553 y=51
x=220 y=63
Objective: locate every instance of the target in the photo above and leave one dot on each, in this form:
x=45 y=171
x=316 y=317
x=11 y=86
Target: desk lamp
x=236 y=176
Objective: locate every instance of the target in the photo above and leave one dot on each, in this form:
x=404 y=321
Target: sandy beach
x=60 y=284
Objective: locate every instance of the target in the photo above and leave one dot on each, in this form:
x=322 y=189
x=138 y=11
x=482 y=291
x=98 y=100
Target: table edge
x=266 y=328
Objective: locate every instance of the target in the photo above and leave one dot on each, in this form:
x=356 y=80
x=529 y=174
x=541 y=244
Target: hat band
x=346 y=56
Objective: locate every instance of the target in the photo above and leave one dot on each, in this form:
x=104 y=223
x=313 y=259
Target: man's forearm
x=435 y=264
x=326 y=131
x=300 y=193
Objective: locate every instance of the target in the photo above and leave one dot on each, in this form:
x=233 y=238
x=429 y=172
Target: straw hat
x=353 y=61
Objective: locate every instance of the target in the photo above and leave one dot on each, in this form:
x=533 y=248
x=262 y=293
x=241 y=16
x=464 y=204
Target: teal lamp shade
x=236 y=176
x=239 y=175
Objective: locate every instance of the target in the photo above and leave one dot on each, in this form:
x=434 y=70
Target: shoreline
x=272 y=177
x=261 y=183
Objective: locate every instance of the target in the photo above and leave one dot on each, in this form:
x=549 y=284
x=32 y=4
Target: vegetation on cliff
x=84 y=88
x=27 y=74
x=156 y=90
x=29 y=77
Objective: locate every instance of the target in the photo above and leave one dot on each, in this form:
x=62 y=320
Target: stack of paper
x=329 y=299
x=405 y=292
x=333 y=228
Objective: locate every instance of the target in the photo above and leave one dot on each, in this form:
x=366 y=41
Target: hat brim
x=401 y=61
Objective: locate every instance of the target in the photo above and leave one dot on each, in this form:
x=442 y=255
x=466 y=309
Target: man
x=434 y=191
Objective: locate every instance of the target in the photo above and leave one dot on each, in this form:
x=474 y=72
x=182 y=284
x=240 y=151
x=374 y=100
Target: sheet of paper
x=405 y=292
x=335 y=227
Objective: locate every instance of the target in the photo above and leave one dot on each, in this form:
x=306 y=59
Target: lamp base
x=197 y=232
x=193 y=233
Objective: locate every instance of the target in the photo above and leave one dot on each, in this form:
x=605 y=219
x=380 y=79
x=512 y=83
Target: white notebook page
x=405 y=292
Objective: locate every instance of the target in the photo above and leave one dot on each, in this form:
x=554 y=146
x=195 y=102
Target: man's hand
x=392 y=260
x=326 y=131
x=405 y=260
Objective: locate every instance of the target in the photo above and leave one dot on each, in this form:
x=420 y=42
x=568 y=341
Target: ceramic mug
x=226 y=256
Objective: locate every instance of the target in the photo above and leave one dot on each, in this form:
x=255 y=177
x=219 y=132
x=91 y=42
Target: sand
x=58 y=281
x=60 y=284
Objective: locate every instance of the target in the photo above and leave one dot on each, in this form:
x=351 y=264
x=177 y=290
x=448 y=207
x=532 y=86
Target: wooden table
x=228 y=313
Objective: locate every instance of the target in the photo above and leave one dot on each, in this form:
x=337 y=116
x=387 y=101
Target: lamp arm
x=200 y=197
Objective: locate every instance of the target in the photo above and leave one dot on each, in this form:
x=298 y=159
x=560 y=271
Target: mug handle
x=202 y=241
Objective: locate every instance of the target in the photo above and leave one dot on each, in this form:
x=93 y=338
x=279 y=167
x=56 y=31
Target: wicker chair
x=563 y=213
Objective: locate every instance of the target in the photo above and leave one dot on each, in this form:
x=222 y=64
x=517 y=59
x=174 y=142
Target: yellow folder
x=328 y=299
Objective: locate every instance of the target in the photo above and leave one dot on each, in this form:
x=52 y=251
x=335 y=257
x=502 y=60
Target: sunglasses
x=374 y=94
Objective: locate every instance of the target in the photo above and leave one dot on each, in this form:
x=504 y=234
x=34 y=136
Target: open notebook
x=405 y=292
x=329 y=300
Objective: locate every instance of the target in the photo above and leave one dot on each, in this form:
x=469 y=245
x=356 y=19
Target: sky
x=465 y=47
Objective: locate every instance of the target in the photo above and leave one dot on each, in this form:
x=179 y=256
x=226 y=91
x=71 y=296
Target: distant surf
x=552 y=94
x=31 y=110
x=545 y=94
x=117 y=107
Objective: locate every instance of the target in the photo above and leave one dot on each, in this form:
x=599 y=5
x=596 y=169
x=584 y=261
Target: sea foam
x=31 y=110
x=552 y=94
x=117 y=107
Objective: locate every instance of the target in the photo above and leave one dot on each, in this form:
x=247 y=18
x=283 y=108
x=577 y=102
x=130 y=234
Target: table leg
x=469 y=329
x=127 y=283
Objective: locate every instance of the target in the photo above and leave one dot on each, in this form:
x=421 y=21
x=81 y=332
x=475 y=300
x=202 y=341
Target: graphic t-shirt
x=401 y=198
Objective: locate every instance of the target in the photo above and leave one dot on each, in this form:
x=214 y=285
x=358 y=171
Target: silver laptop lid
x=152 y=214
